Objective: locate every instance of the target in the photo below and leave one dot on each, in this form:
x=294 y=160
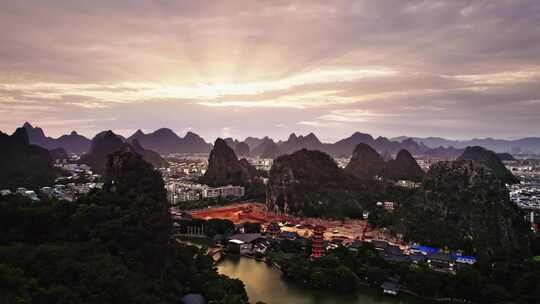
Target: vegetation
x=111 y=246
x=490 y=160
x=106 y=143
x=23 y=164
x=496 y=281
x=224 y=168
x=252 y=227
x=219 y=226
x=310 y=183
x=462 y=206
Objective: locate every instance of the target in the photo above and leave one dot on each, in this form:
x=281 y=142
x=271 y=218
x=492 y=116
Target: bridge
x=215 y=253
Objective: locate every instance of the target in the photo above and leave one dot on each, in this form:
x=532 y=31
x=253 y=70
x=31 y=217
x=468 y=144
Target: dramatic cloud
x=448 y=68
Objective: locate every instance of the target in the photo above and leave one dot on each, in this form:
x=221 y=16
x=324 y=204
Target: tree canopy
x=111 y=246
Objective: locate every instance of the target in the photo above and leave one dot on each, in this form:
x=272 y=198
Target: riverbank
x=364 y=286
x=345 y=270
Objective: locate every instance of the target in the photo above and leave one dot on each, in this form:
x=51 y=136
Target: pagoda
x=317 y=249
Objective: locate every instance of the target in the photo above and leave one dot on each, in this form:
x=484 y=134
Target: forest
x=111 y=246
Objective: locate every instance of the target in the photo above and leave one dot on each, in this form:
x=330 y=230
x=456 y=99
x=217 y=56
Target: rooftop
x=244 y=238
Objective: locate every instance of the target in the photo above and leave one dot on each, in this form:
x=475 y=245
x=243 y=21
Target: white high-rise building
x=236 y=191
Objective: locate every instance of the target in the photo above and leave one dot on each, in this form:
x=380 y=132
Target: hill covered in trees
x=107 y=142
x=460 y=204
x=366 y=163
x=464 y=205
x=403 y=167
x=310 y=183
x=491 y=160
x=23 y=164
x=224 y=167
x=111 y=246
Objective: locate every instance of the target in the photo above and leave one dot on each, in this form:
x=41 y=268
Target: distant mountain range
x=165 y=141
x=73 y=142
x=241 y=148
x=516 y=146
x=266 y=147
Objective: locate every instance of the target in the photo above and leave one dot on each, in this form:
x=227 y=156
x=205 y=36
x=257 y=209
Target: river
x=264 y=283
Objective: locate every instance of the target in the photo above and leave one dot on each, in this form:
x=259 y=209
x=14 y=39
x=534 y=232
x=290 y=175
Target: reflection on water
x=264 y=283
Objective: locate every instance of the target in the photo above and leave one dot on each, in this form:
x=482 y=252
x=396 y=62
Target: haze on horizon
x=455 y=69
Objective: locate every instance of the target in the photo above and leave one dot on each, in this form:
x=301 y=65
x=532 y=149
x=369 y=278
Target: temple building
x=317 y=250
x=273 y=229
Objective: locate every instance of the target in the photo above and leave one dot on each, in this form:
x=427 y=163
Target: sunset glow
x=185 y=62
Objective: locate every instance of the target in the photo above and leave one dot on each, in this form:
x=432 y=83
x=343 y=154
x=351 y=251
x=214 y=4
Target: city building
x=379 y=245
x=417 y=258
x=425 y=250
x=263 y=164
x=408 y=184
x=391 y=286
x=440 y=261
x=388 y=206
x=181 y=190
x=355 y=246
x=392 y=253
x=226 y=191
x=31 y=194
x=464 y=259
x=244 y=243
x=187 y=196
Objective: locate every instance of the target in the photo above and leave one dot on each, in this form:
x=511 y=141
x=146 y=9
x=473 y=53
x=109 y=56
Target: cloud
x=455 y=68
x=211 y=94
x=226 y=132
x=311 y=123
x=501 y=78
x=354 y=115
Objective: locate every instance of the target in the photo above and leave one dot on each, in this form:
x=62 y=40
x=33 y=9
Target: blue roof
x=289 y=234
x=464 y=257
x=426 y=249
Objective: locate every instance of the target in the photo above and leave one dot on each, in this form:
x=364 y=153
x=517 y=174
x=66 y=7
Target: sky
x=455 y=69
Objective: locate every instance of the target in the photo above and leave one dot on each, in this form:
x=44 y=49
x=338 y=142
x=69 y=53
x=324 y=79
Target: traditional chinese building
x=317 y=249
x=273 y=229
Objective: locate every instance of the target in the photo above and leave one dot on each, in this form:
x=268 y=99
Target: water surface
x=265 y=283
